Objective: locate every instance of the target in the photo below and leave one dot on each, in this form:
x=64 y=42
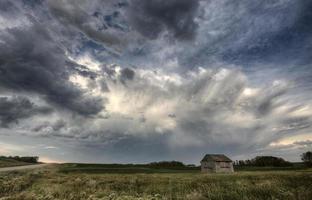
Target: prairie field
x=75 y=182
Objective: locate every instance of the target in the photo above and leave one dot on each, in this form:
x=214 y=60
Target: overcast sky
x=149 y=80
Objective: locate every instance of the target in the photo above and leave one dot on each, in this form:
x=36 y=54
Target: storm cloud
x=15 y=108
x=219 y=108
x=139 y=81
x=71 y=13
x=151 y=18
x=31 y=62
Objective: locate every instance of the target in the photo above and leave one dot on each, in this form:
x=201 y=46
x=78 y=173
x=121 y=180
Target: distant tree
x=307 y=158
x=248 y=162
x=264 y=161
x=166 y=164
x=241 y=163
x=269 y=161
x=27 y=159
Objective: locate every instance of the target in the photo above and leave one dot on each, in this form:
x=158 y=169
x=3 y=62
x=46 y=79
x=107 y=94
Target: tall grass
x=52 y=184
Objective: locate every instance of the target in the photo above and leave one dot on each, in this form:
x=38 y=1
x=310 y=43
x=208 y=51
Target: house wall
x=208 y=167
x=213 y=167
x=224 y=167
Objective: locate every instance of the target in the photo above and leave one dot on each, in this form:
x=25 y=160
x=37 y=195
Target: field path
x=5 y=169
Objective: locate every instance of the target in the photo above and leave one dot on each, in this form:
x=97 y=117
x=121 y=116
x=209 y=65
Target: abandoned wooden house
x=215 y=163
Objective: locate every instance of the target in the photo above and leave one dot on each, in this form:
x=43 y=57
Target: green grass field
x=122 y=169
x=95 y=182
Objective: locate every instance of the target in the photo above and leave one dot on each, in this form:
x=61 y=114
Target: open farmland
x=124 y=169
x=55 y=183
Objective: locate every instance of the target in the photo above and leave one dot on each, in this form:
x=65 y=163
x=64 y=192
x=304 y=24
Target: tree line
x=271 y=161
x=264 y=161
x=27 y=159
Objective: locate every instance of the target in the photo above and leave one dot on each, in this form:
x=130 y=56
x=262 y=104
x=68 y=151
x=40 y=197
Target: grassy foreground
x=54 y=184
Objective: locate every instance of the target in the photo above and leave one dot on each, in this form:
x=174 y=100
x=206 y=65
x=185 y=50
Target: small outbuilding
x=215 y=163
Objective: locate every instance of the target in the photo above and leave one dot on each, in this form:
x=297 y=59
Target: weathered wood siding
x=224 y=167
x=208 y=167
x=215 y=167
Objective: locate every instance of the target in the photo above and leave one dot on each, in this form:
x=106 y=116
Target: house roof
x=216 y=158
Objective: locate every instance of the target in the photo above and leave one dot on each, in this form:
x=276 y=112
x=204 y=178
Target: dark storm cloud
x=7 y=7
x=17 y=107
x=153 y=17
x=126 y=74
x=70 y=13
x=30 y=61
